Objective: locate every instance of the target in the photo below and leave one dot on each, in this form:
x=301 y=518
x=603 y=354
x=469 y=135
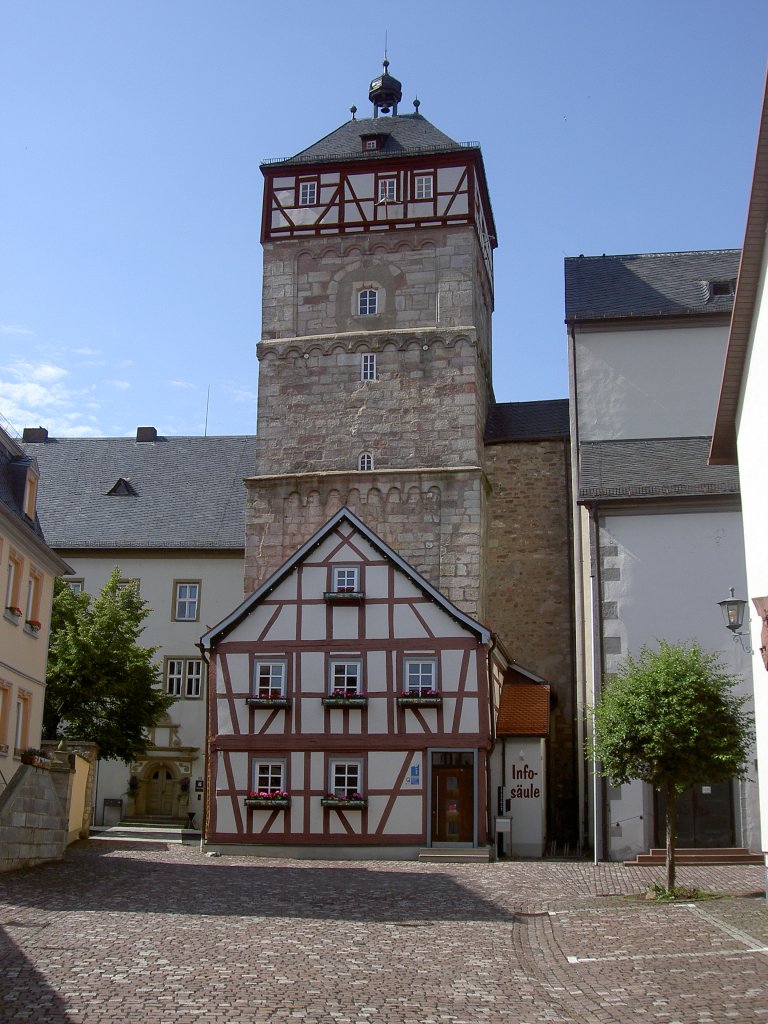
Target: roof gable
x=325 y=541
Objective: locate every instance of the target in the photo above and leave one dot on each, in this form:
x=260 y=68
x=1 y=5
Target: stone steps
x=455 y=855
x=698 y=855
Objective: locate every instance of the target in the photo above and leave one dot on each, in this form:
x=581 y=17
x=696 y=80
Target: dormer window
x=720 y=289
x=372 y=143
x=30 y=494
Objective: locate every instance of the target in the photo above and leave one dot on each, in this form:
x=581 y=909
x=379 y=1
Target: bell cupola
x=385 y=92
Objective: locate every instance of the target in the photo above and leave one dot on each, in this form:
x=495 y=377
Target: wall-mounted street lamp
x=734 y=609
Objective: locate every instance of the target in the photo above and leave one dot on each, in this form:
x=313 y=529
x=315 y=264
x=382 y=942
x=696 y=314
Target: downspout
x=206 y=759
x=491 y=690
x=600 y=836
x=579 y=620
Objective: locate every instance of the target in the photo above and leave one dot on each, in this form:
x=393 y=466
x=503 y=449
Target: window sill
x=432 y=701
x=10 y=617
x=268 y=702
x=31 y=630
x=345 y=596
x=260 y=803
x=345 y=702
x=4 y=748
x=344 y=805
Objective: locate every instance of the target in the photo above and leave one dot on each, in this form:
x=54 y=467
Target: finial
x=385 y=62
x=353 y=111
x=416 y=104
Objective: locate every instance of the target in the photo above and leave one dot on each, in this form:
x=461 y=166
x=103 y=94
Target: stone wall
x=530 y=597
x=433 y=518
x=34 y=816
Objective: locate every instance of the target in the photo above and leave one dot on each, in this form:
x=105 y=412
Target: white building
x=741 y=430
x=658 y=535
x=169 y=511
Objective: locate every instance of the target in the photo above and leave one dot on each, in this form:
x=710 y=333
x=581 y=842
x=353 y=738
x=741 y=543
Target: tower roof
x=401 y=134
x=385 y=92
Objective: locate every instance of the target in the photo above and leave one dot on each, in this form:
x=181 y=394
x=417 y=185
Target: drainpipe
x=206 y=774
x=600 y=838
x=492 y=693
x=579 y=616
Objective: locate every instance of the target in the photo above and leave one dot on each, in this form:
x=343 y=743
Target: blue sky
x=130 y=190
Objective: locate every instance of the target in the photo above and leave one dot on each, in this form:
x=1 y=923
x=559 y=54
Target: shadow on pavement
x=89 y=880
x=24 y=992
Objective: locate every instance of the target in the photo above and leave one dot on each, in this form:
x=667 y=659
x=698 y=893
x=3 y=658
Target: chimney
x=35 y=435
x=146 y=433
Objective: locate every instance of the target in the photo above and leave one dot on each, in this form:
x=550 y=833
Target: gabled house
x=351 y=706
x=657 y=531
x=169 y=511
x=27 y=570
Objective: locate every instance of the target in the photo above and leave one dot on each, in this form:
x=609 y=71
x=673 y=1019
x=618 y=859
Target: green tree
x=101 y=685
x=669 y=717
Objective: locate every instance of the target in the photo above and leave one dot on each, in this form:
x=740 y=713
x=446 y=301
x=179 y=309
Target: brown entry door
x=161 y=792
x=704 y=816
x=452 y=805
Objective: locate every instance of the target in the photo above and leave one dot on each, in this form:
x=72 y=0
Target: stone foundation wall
x=433 y=518
x=34 y=816
x=530 y=593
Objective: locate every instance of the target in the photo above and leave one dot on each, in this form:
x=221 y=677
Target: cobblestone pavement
x=156 y=935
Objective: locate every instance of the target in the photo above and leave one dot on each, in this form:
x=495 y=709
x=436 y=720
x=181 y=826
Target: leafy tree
x=669 y=718
x=101 y=685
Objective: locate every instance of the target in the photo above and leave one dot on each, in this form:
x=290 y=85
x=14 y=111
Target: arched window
x=365 y=462
x=368 y=302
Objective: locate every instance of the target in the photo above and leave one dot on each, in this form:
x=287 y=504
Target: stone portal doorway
x=162 y=791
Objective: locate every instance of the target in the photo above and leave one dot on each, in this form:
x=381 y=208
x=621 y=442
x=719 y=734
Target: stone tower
x=375 y=358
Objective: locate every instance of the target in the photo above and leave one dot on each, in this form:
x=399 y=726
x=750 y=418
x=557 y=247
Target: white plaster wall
x=752 y=433
x=648 y=383
x=221 y=577
x=673 y=569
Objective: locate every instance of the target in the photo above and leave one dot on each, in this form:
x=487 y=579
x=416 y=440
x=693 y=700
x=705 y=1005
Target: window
x=345 y=579
x=21 y=731
x=30 y=494
x=346 y=778
x=184 y=676
x=371 y=144
x=345 y=678
x=269 y=777
x=420 y=677
x=13 y=584
x=422 y=186
x=368 y=304
x=307 y=193
x=365 y=462
x=34 y=588
x=125 y=584
x=387 y=190
x=269 y=679
x=368 y=365
x=186 y=602
x=76 y=586
x=719 y=288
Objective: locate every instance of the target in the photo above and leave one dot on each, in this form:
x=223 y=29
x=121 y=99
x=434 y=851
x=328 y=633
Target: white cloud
x=84 y=351
x=40 y=394
x=122 y=385
x=181 y=384
x=14 y=329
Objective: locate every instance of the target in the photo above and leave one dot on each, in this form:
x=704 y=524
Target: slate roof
x=13 y=477
x=524 y=710
x=651 y=468
x=189 y=492
x=648 y=284
x=405 y=133
x=527 y=421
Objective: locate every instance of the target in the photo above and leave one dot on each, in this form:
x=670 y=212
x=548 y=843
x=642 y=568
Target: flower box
x=268 y=702
x=344 y=596
x=34 y=757
x=335 y=700
x=32 y=626
x=357 y=802
x=420 y=700
x=268 y=803
x=13 y=613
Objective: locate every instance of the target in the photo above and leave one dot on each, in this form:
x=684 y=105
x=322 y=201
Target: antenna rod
x=207 y=403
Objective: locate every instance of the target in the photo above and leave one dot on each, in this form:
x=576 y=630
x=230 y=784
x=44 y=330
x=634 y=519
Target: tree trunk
x=671 y=836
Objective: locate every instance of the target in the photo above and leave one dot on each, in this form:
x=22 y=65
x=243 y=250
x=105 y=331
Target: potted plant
x=133 y=785
x=33 y=625
x=345 y=801
x=31 y=755
x=268 y=699
x=268 y=799
x=419 y=699
x=13 y=611
x=344 y=699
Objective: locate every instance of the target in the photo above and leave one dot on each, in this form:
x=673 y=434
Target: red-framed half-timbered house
x=351 y=706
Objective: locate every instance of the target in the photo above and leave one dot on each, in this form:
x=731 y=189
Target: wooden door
x=453 y=804
x=704 y=816
x=162 y=790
